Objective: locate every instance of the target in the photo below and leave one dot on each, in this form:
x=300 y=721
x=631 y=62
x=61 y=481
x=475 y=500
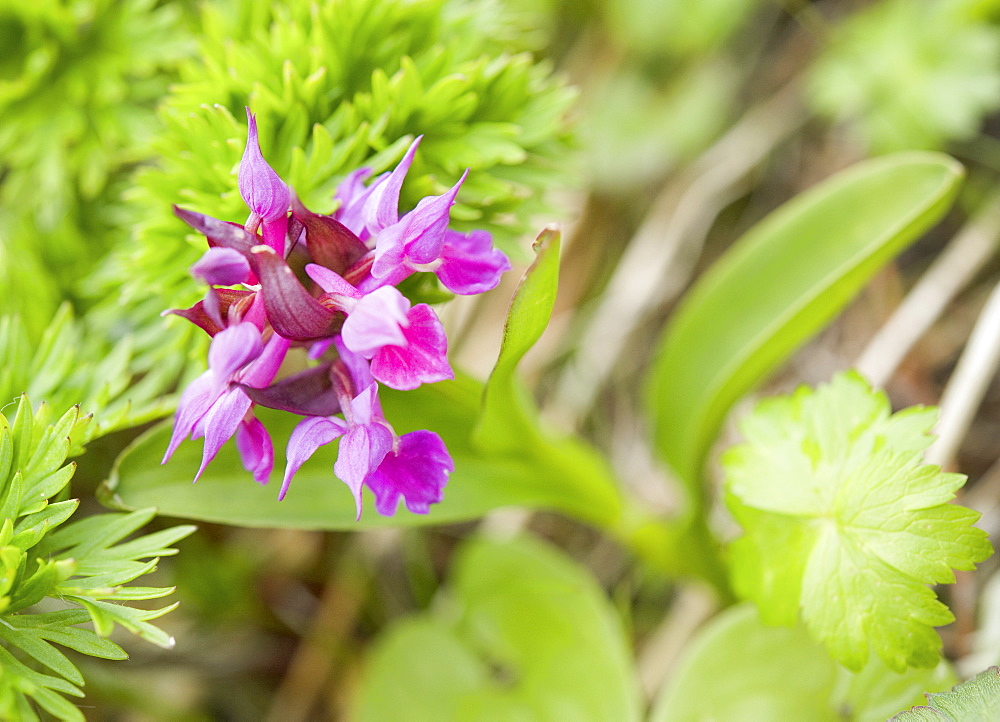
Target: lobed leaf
x=844 y=523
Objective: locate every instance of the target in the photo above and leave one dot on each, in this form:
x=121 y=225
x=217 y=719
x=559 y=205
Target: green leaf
x=779 y=285
x=528 y=635
x=739 y=670
x=977 y=700
x=507 y=415
x=844 y=522
x=106 y=614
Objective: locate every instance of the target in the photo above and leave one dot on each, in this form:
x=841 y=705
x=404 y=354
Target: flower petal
x=199 y=316
x=378 y=320
x=309 y=435
x=418 y=473
x=221 y=266
x=195 y=402
x=361 y=451
x=256 y=450
x=221 y=423
x=232 y=349
x=470 y=264
x=381 y=208
x=417 y=238
x=263 y=191
x=424 y=358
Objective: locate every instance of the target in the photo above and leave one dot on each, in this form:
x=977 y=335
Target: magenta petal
x=221 y=423
x=377 y=320
x=256 y=450
x=418 y=473
x=351 y=195
x=262 y=190
x=262 y=370
x=358 y=367
x=195 y=402
x=331 y=282
x=429 y=223
x=381 y=208
x=418 y=236
x=424 y=358
x=232 y=349
x=470 y=264
x=361 y=451
x=221 y=267
x=309 y=435
x=291 y=310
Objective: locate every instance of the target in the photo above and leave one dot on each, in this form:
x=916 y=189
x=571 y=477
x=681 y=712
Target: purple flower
x=414 y=467
x=214 y=406
x=407 y=346
x=354 y=331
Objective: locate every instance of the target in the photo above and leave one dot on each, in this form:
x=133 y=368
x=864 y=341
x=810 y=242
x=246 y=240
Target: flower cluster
x=327 y=284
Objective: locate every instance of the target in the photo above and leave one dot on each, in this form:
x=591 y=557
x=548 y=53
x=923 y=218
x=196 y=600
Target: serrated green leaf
x=791 y=274
x=843 y=522
x=530 y=635
x=740 y=670
x=977 y=700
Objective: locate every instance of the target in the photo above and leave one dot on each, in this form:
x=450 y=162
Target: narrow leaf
x=779 y=285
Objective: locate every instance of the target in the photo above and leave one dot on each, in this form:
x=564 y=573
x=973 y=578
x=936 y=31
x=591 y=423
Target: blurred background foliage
x=657 y=131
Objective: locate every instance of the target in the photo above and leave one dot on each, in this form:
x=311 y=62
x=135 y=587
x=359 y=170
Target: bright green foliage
x=54 y=579
x=676 y=27
x=977 y=700
x=741 y=670
x=844 y=522
x=524 y=634
x=781 y=283
x=338 y=85
x=910 y=74
x=67 y=366
x=78 y=80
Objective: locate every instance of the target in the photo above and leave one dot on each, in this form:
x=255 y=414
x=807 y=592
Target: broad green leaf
x=977 y=700
x=526 y=634
x=740 y=670
x=779 y=285
x=844 y=522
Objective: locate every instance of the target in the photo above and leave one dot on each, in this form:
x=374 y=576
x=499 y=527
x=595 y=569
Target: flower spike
x=324 y=287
